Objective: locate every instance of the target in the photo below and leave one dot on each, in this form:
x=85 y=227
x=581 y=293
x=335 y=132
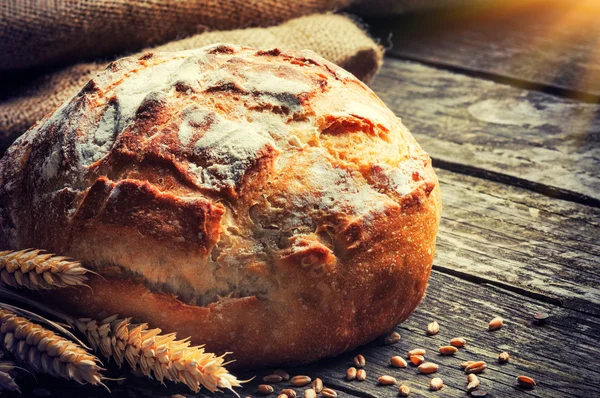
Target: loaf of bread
x=265 y=203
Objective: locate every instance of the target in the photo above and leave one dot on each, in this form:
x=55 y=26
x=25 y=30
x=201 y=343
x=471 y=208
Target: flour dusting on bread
x=227 y=183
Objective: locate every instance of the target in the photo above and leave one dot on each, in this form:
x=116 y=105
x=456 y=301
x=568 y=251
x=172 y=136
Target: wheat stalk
x=44 y=351
x=36 y=270
x=163 y=356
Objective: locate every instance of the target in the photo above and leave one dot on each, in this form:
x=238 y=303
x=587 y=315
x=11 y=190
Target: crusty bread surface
x=263 y=202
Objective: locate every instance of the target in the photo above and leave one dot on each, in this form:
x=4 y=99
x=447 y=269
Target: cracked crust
x=265 y=203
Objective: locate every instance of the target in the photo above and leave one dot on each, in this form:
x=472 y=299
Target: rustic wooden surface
x=506 y=105
x=479 y=127
x=555 y=49
x=560 y=355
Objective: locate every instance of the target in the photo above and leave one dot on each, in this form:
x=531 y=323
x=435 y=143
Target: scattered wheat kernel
x=417 y=351
x=448 y=350
x=265 y=389
x=282 y=396
x=433 y=328
x=458 y=342
x=436 y=384
x=392 y=338
x=289 y=392
x=329 y=393
x=361 y=375
x=386 y=380
x=284 y=375
x=272 y=378
x=317 y=385
x=404 y=391
x=360 y=361
x=495 y=323
x=503 y=357
x=417 y=359
x=428 y=367
x=473 y=382
x=465 y=364
x=351 y=374
x=300 y=381
x=540 y=318
x=476 y=367
x=398 y=362
x=525 y=381
x=310 y=393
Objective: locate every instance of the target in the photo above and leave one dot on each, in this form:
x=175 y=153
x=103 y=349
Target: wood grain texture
x=526 y=242
x=532 y=45
x=560 y=355
x=497 y=131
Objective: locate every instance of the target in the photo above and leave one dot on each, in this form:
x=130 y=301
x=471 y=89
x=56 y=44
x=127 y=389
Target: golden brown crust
x=262 y=202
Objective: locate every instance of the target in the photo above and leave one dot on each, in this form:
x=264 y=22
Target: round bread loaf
x=265 y=203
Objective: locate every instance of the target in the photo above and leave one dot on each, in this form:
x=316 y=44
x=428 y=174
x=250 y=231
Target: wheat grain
x=163 y=356
x=391 y=338
x=473 y=382
x=526 y=381
x=289 y=392
x=310 y=393
x=503 y=357
x=351 y=374
x=44 y=351
x=361 y=375
x=272 y=378
x=359 y=361
x=433 y=328
x=436 y=384
x=417 y=359
x=36 y=270
x=416 y=351
x=265 y=389
x=284 y=375
x=428 y=367
x=404 y=391
x=386 y=380
x=300 y=381
x=398 y=362
x=317 y=385
x=448 y=350
x=496 y=323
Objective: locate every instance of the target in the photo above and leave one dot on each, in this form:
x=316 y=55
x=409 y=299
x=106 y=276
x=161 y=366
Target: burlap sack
x=335 y=37
x=35 y=32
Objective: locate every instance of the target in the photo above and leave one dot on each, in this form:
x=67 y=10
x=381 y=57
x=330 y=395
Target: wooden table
x=506 y=103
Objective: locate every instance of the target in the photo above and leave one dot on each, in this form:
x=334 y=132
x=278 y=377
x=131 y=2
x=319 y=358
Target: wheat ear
x=36 y=270
x=44 y=351
x=163 y=356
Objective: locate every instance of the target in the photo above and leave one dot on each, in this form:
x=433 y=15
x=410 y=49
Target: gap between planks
x=501 y=79
x=521 y=241
x=476 y=127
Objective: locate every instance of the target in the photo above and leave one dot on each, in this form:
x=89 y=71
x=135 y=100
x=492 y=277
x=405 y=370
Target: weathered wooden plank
x=547 y=248
x=477 y=126
x=559 y=355
x=533 y=46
